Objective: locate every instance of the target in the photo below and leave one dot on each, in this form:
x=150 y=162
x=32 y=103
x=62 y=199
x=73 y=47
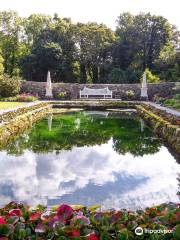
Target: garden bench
x=86 y=92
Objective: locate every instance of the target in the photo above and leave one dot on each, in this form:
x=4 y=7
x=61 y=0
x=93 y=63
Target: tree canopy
x=91 y=52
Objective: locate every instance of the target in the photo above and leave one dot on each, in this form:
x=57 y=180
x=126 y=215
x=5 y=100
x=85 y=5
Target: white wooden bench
x=86 y=92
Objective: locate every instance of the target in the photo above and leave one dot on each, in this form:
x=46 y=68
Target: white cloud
x=90 y=174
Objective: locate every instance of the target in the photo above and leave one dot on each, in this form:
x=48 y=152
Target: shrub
x=130 y=94
x=177 y=96
x=26 y=97
x=170 y=101
x=158 y=99
x=151 y=78
x=9 y=86
x=62 y=95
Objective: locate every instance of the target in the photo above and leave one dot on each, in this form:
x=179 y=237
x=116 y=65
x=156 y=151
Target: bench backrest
x=99 y=91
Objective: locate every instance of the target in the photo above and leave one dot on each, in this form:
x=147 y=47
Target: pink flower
x=2 y=221
x=40 y=228
x=15 y=212
x=65 y=212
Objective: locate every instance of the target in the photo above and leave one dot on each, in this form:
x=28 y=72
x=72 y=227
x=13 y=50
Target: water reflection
x=142 y=124
x=50 y=118
x=90 y=173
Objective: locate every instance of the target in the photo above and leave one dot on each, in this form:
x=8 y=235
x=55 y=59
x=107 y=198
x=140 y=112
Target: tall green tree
x=53 y=50
x=93 y=43
x=43 y=58
x=88 y=53
x=10 y=41
x=34 y=25
x=1 y=64
x=140 y=40
x=167 y=65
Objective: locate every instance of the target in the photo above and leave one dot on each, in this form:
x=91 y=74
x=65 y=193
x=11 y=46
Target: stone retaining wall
x=119 y=90
x=7 y=115
x=19 y=123
x=171 y=118
x=164 y=128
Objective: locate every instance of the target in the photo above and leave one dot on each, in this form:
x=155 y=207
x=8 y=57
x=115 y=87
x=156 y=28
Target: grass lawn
x=10 y=105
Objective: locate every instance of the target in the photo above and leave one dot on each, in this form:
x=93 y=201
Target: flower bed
x=18 y=221
x=23 y=97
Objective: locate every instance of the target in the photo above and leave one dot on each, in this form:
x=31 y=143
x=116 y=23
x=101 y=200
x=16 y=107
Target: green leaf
x=177 y=231
x=6 y=230
x=22 y=234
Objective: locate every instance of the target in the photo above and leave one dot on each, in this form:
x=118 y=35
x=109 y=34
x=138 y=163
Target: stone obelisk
x=49 y=86
x=144 y=94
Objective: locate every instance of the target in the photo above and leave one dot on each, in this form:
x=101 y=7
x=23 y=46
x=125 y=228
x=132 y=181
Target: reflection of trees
x=68 y=132
x=137 y=146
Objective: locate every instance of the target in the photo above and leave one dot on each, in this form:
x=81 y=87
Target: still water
x=106 y=158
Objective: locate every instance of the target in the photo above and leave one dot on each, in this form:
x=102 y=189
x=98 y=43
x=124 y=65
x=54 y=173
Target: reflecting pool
x=106 y=158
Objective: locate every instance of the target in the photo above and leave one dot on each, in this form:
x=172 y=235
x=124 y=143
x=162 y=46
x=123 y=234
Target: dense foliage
x=18 y=221
x=170 y=101
x=9 y=86
x=88 y=53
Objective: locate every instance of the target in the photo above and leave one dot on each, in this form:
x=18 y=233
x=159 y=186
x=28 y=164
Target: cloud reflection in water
x=89 y=175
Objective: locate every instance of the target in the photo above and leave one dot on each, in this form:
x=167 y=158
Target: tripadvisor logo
x=139 y=231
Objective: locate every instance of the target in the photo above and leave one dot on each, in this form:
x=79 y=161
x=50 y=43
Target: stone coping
x=9 y=114
x=94 y=101
x=19 y=107
x=163 y=108
x=158 y=106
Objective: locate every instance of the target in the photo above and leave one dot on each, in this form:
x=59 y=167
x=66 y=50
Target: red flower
x=2 y=220
x=92 y=236
x=35 y=216
x=65 y=212
x=178 y=216
x=75 y=233
x=15 y=212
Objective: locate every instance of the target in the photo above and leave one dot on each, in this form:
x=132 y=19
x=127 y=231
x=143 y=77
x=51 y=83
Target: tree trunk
x=83 y=74
x=95 y=74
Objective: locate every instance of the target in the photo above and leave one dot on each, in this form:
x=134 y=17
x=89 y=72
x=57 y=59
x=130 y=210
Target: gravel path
x=168 y=110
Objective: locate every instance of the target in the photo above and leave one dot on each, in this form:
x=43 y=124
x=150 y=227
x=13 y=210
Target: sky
x=101 y=11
